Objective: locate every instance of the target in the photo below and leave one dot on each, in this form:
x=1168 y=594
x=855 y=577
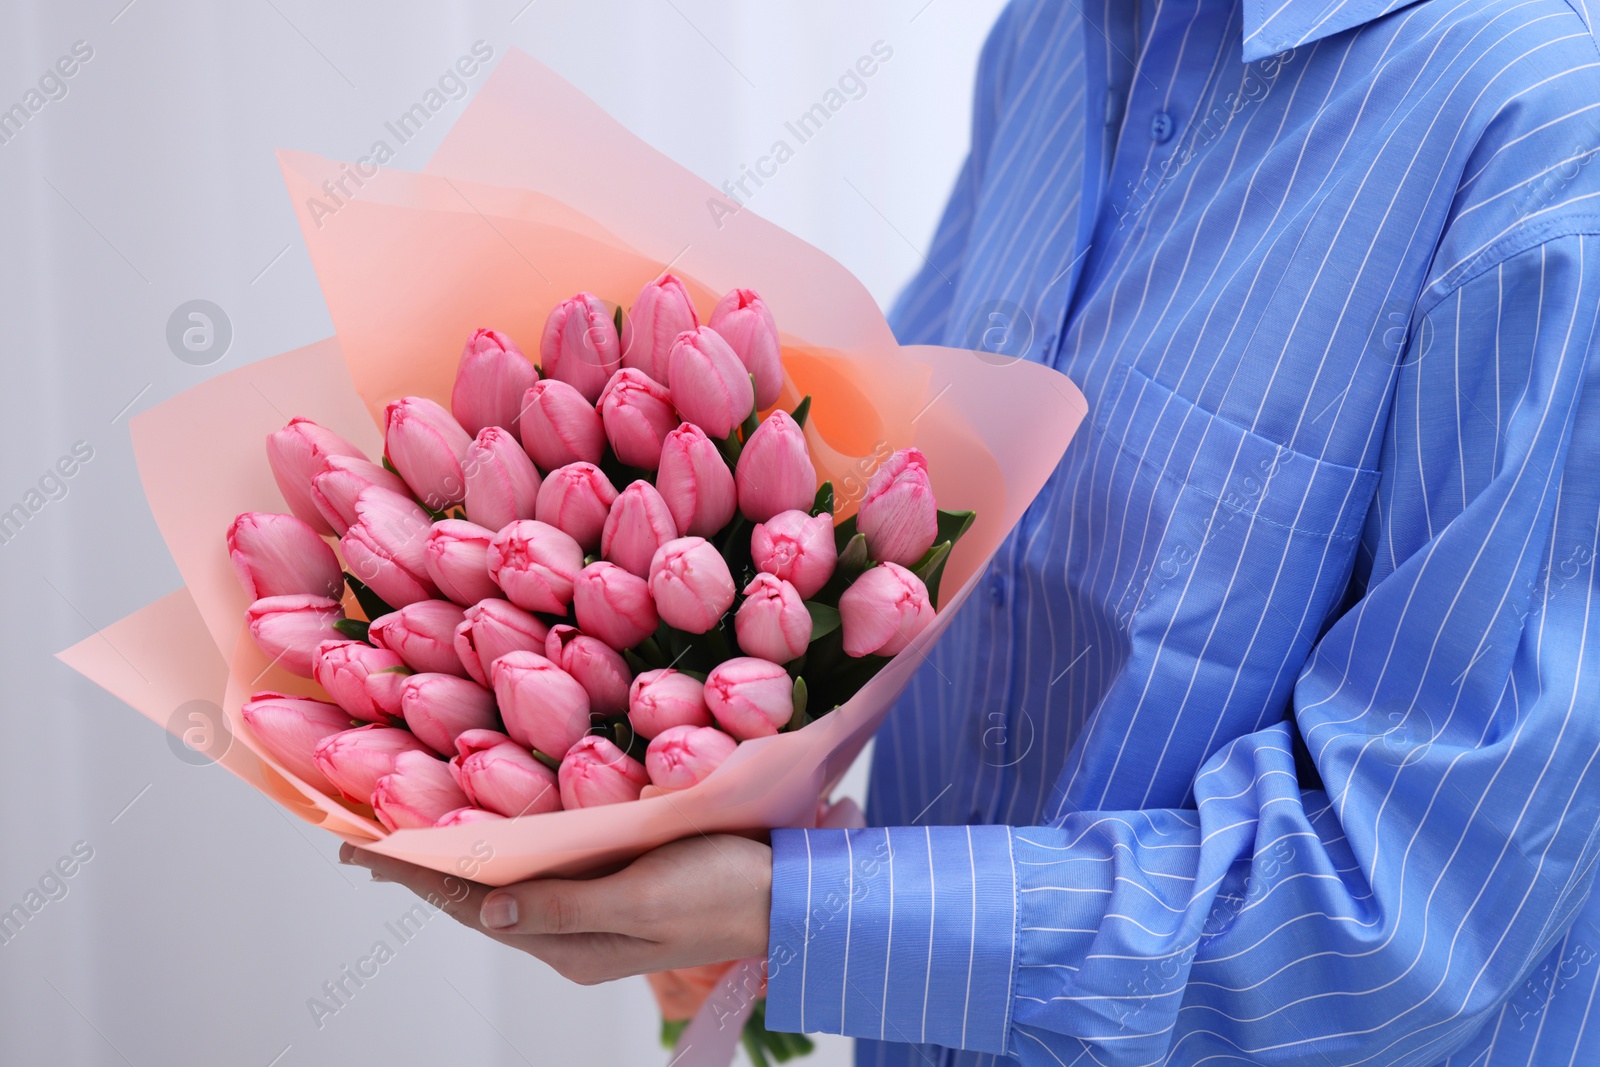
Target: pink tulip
x=490 y=629
x=289 y=628
x=695 y=482
x=384 y=547
x=709 y=384
x=773 y=622
x=457 y=558
x=543 y=706
x=774 y=472
x=576 y=498
x=797 y=547
x=535 y=564
x=662 y=311
x=502 y=482
x=278 y=555
x=383 y=688
x=417 y=793
x=580 y=345
x=639 y=523
x=424 y=635
x=440 y=707
x=743 y=320
x=500 y=775
x=289 y=728
x=595 y=772
x=898 y=514
x=613 y=605
x=750 y=697
x=354 y=760
x=637 y=414
x=660 y=700
x=426 y=445
x=334 y=489
x=603 y=674
x=296 y=453
x=685 y=755
x=463 y=816
x=490 y=380
x=690 y=583
x=560 y=427
x=883 y=610
x=343 y=668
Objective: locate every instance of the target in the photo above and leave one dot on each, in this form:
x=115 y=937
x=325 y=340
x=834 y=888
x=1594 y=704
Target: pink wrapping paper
x=537 y=194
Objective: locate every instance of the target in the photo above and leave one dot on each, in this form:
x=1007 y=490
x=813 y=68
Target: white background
x=207 y=917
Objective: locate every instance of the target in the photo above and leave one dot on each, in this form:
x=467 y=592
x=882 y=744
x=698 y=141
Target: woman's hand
x=695 y=901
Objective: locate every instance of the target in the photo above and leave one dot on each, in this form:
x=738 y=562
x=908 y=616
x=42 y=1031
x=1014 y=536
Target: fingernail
x=376 y=877
x=347 y=853
x=499 y=912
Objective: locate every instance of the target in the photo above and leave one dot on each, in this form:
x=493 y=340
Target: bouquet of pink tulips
x=560 y=642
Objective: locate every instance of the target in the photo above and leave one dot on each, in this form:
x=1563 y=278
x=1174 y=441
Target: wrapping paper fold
x=537 y=194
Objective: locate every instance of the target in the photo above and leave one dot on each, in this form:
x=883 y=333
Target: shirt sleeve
x=1376 y=909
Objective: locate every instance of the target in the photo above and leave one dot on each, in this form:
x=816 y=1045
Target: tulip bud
x=595 y=772
x=695 y=482
x=898 y=514
x=883 y=610
x=383 y=687
x=384 y=547
x=355 y=759
x=637 y=414
x=423 y=634
x=417 y=793
x=289 y=729
x=502 y=482
x=750 y=697
x=440 y=707
x=296 y=453
x=596 y=665
x=774 y=472
x=334 y=489
x=560 y=427
x=289 y=628
x=742 y=318
x=490 y=629
x=797 y=547
x=426 y=445
x=660 y=700
x=773 y=622
x=457 y=557
x=690 y=584
x=535 y=564
x=543 y=706
x=639 y=523
x=682 y=756
x=462 y=816
x=580 y=345
x=662 y=311
x=709 y=385
x=490 y=380
x=280 y=555
x=343 y=667
x=613 y=605
x=500 y=775
x=576 y=498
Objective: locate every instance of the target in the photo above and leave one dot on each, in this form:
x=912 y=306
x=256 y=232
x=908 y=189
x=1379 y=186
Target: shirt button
x=1161 y=126
x=997 y=589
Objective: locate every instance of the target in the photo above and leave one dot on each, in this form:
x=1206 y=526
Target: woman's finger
x=560 y=906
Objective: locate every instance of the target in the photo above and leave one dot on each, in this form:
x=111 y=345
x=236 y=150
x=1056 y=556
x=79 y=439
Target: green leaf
x=636 y=663
x=390 y=467
x=752 y=420
x=853 y=559
x=671 y=1029
x=458 y=513
x=801 y=410
x=616 y=321
x=952 y=524
x=549 y=761
x=731 y=446
x=843 y=532
x=823 y=504
x=799 y=718
x=824 y=620
x=354 y=629
x=930 y=568
x=371 y=603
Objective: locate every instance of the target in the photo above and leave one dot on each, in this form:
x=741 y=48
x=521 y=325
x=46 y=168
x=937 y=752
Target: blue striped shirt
x=1271 y=735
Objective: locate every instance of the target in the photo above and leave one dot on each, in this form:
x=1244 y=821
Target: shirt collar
x=1274 y=26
